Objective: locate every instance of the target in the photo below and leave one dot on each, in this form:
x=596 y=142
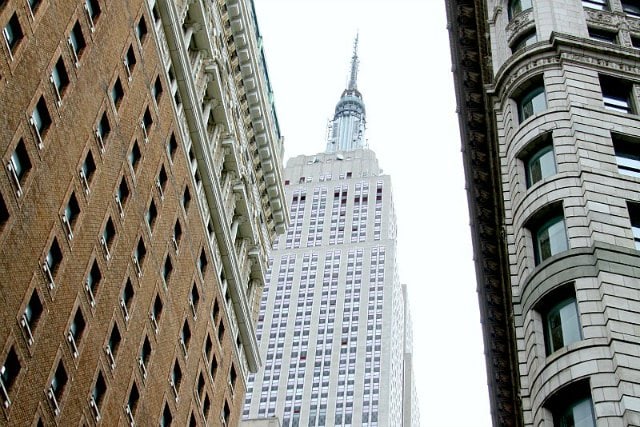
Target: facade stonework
x=140 y=197
x=550 y=145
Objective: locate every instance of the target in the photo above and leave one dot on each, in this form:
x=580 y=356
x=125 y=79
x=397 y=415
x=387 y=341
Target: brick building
x=139 y=199
x=548 y=101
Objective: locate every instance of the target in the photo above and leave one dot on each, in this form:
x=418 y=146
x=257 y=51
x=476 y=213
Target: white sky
x=406 y=83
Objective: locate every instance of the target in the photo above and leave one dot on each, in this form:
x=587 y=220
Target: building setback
x=548 y=104
x=332 y=317
x=140 y=197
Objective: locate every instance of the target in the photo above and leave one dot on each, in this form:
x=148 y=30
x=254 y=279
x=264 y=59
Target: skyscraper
x=333 y=313
x=140 y=195
x=548 y=104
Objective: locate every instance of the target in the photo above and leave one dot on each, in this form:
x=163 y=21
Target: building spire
x=353 y=79
x=346 y=129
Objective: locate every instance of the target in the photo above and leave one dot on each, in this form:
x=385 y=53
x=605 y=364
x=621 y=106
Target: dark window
x=156 y=89
x=122 y=195
x=550 y=238
x=117 y=93
x=53 y=258
x=145 y=352
x=177 y=234
x=596 y=4
x=627 y=152
x=531 y=102
x=202 y=262
x=99 y=390
x=41 y=119
x=34 y=5
x=572 y=405
x=176 y=375
x=141 y=29
x=541 y=163
x=59 y=78
x=185 y=335
x=206 y=406
x=59 y=382
x=76 y=331
x=134 y=156
x=93 y=281
x=134 y=397
x=167 y=269
x=31 y=315
x=232 y=376
x=635 y=41
x=216 y=310
x=9 y=373
x=214 y=367
x=140 y=252
x=77 y=42
x=208 y=346
x=226 y=412
x=157 y=309
x=103 y=129
x=631 y=8
x=194 y=298
x=221 y=331
x=109 y=233
x=147 y=121
x=617 y=94
x=634 y=214
x=93 y=11
x=167 y=418
x=126 y=298
x=87 y=170
x=151 y=214
x=71 y=211
x=161 y=181
x=517 y=6
x=4 y=213
x=114 y=340
x=560 y=318
x=13 y=33
x=186 y=198
x=603 y=35
x=20 y=165
x=130 y=61
x=172 y=146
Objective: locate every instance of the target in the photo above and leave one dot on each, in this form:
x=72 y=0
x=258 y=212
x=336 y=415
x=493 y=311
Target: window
x=176 y=377
x=126 y=299
x=40 y=120
x=97 y=395
x=76 y=330
x=526 y=39
x=572 y=405
x=111 y=348
x=596 y=4
x=139 y=254
x=186 y=198
x=107 y=238
x=541 y=164
x=627 y=151
x=634 y=214
x=156 y=89
x=144 y=356
x=631 y=8
x=57 y=386
x=122 y=195
x=92 y=7
x=87 y=170
x=617 y=94
x=8 y=374
x=560 y=319
x=202 y=262
x=232 y=377
x=132 y=402
x=102 y=131
x=517 y=6
x=146 y=123
x=172 y=146
x=52 y=262
x=177 y=235
x=167 y=269
x=161 y=182
x=4 y=213
x=134 y=157
x=34 y=5
x=151 y=215
x=167 y=418
x=130 y=61
x=226 y=413
x=603 y=35
x=13 y=33
x=194 y=299
x=31 y=316
x=59 y=79
x=214 y=367
x=70 y=215
x=117 y=93
x=531 y=102
x=635 y=41
x=156 y=312
x=92 y=283
x=141 y=29
x=221 y=331
x=19 y=166
x=77 y=43
x=185 y=336
x=550 y=238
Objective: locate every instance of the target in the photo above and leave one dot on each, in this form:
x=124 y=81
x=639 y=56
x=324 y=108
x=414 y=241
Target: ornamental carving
x=601 y=17
x=601 y=62
x=519 y=22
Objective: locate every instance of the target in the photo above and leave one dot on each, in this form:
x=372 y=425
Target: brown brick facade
x=100 y=167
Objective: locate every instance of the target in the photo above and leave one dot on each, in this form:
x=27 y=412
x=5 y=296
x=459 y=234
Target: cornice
x=472 y=72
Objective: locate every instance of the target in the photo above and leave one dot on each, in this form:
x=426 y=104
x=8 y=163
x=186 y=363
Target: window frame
x=617 y=94
x=530 y=97
x=560 y=308
x=515 y=7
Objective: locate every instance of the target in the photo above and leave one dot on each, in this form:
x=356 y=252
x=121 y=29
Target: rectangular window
x=617 y=94
x=40 y=120
x=603 y=35
x=76 y=43
x=9 y=372
x=532 y=102
x=92 y=8
x=59 y=79
x=19 y=166
x=627 y=155
x=596 y=4
x=550 y=239
x=631 y=8
x=13 y=33
x=117 y=93
x=541 y=164
x=572 y=405
x=634 y=214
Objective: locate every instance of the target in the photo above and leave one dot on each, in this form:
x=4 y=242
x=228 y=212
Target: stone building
x=140 y=195
x=334 y=324
x=548 y=105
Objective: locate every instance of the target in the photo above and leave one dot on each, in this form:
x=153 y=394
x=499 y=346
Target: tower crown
x=346 y=130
